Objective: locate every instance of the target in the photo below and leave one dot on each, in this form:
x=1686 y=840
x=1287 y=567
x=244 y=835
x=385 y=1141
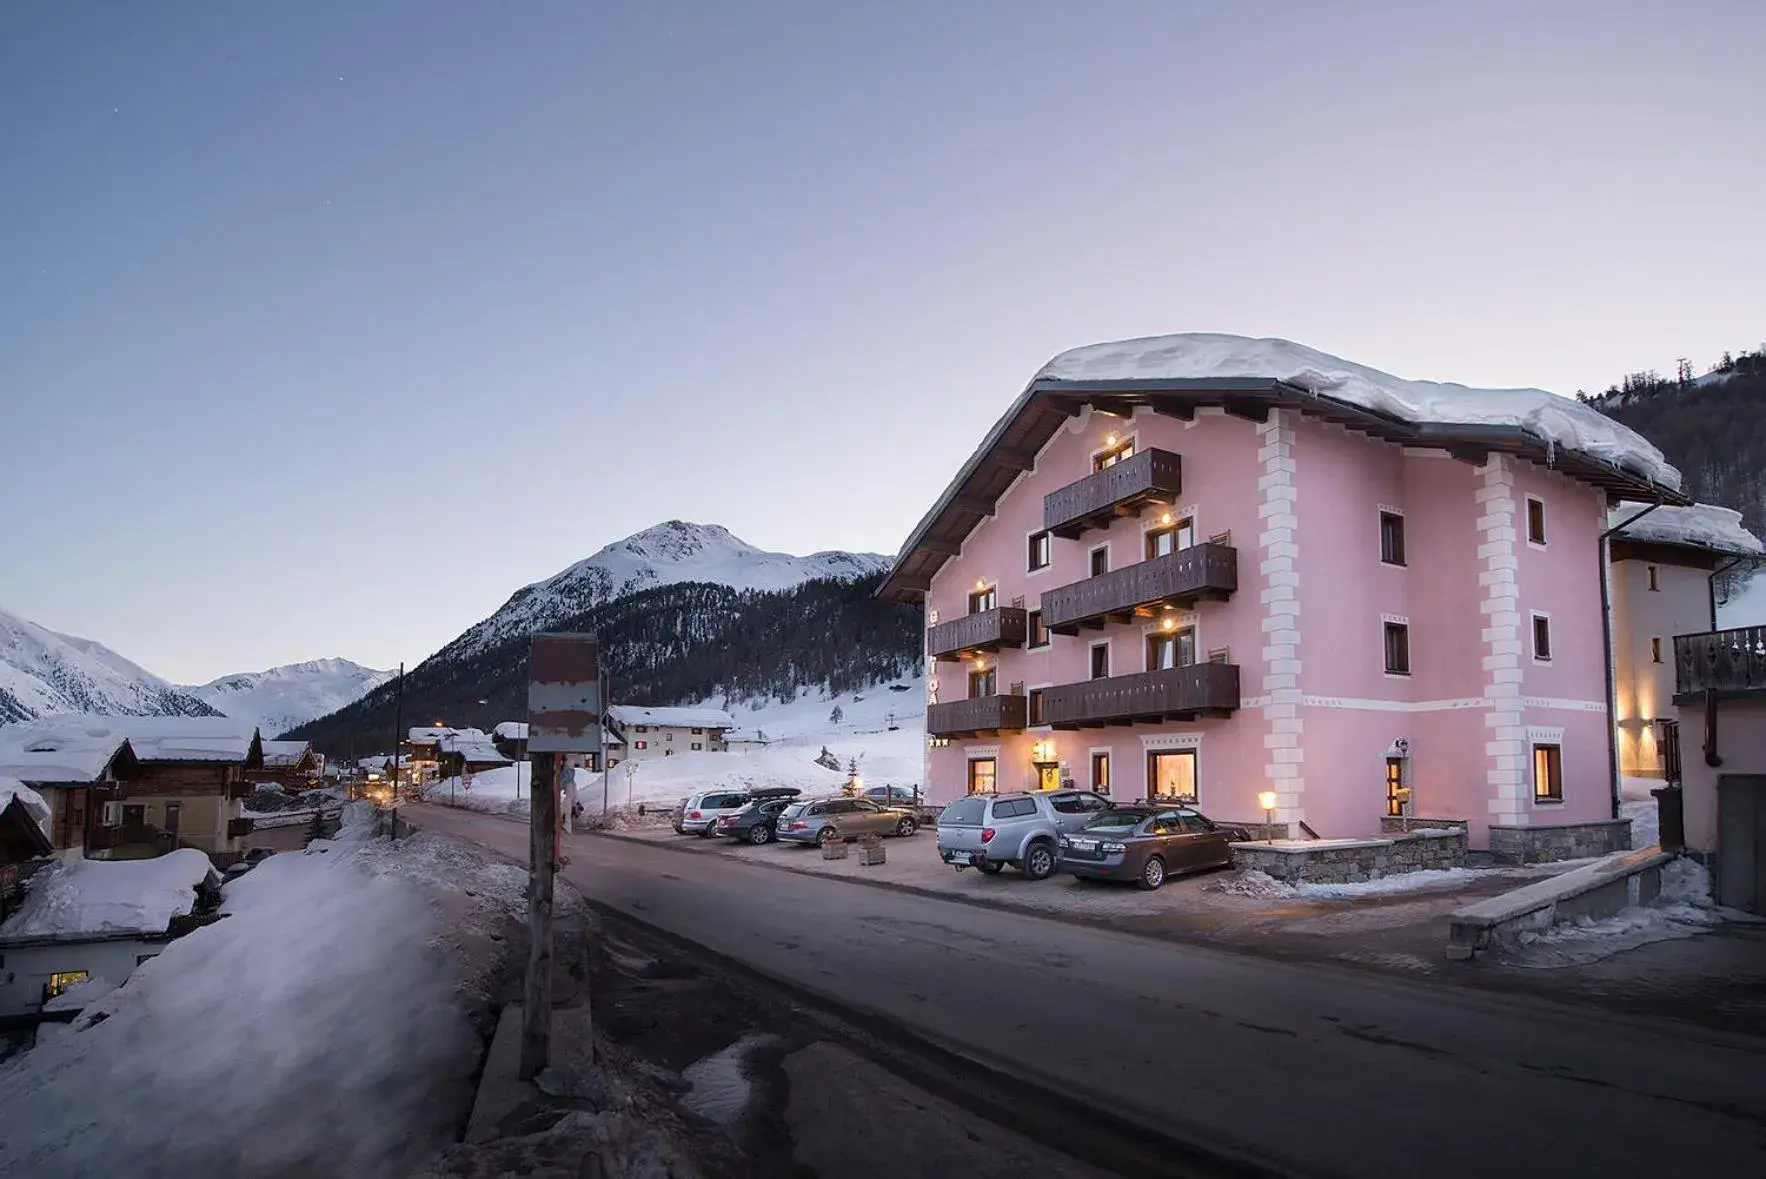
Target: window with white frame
x=1541 y=637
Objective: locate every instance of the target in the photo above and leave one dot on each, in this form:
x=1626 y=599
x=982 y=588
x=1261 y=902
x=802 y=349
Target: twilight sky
x=323 y=327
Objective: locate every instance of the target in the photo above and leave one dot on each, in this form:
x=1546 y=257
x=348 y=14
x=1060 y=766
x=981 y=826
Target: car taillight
x=987 y=835
x=695 y=815
x=796 y=826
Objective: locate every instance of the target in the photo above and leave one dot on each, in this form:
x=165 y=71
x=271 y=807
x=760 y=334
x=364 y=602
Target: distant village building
x=77 y=765
x=465 y=752
x=636 y=733
x=510 y=738
x=292 y=765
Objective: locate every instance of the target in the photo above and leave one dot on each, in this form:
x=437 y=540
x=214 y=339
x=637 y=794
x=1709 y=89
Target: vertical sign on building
x=564 y=716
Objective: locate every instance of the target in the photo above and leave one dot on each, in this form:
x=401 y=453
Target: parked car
x=891 y=795
x=990 y=831
x=828 y=819
x=757 y=822
x=252 y=859
x=698 y=813
x=1148 y=843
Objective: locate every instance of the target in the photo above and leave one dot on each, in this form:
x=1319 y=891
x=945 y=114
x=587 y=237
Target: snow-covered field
x=323 y=1028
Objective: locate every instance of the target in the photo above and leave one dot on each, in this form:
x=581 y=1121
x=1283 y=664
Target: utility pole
x=398 y=745
x=536 y=1000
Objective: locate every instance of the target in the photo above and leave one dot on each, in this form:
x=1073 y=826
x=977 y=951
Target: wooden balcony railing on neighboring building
x=1177 y=693
x=1203 y=571
x=1122 y=489
x=975 y=716
x=987 y=631
x=1727 y=662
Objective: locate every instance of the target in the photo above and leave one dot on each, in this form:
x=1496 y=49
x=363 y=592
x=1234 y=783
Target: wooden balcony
x=125 y=835
x=987 y=631
x=1178 y=693
x=1201 y=572
x=1727 y=662
x=976 y=716
x=1124 y=489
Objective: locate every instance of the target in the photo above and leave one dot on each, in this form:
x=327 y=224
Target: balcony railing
x=1121 y=489
x=987 y=631
x=1728 y=662
x=1178 y=693
x=976 y=715
x=1182 y=578
x=124 y=835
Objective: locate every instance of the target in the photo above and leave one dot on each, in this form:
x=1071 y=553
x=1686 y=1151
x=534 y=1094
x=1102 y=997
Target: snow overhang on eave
x=1011 y=447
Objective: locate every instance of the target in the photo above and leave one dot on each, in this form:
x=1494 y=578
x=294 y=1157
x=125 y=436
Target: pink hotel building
x=1206 y=567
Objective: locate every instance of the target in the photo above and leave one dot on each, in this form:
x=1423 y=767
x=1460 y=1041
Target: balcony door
x=983 y=683
x=1167 y=649
x=1171 y=774
x=981 y=601
x=983 y=775
x=1162 y=542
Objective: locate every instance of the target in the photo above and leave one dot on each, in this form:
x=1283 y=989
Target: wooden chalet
x=78 y=765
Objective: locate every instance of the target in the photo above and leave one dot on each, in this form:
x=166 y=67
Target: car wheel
x=760 y=833
x=825 y=836
x=991 y=868
x=1152 y=873
x=906 y=828
x=1039 y=860
x=680 y=830
x=708 y=831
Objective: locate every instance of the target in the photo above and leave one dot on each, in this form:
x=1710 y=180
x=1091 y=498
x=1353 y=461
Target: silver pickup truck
x=990 y=831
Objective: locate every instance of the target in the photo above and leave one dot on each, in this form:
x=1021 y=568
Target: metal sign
x=564 y=694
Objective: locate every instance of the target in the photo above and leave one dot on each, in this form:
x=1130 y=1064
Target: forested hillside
x=667 y=645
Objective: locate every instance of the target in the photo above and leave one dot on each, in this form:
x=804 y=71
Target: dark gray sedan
x=828 y=819
x=1147 y=842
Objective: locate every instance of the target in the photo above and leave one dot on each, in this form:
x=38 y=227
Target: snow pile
x=1705 y=525
x=1249 y=882
x=1427 y=878
x=334 y=968
x=12 y=788
x=110 y=896
x=719 y=1087
x=1552 y=419
x=506 y=790
x=1646 y=830
x=1683 y=909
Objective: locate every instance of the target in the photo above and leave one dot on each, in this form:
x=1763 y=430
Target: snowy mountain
x=666 y=554
x=42 y=672
x=285 y=697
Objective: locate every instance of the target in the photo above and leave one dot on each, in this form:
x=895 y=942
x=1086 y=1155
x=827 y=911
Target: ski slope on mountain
x=284 y=697
x=665 y=554
x=42 y=672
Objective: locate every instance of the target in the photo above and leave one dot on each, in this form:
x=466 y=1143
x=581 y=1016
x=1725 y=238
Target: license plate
x=1084 y=845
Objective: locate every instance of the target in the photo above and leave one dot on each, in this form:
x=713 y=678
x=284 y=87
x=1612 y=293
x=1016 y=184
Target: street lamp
x=1266 y=800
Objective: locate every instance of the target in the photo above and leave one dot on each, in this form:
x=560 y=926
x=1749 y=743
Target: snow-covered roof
x=429 y=734
x=1704 y=526
x=59 y=749
x=285 y=753
x=685 y=718
x=1240 y=373
x=377 y=763
x=12 y=788
x=75 y=897
x=510 y=731
x=473 y=746
x=187 y=738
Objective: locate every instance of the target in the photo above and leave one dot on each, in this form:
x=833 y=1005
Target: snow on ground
x=110 y=896
x=1251 y=882
x=506 y=790
x=1684 y=909
x=354 y=969
x=1547 y=416
x=1645 y=827
x=11 y=788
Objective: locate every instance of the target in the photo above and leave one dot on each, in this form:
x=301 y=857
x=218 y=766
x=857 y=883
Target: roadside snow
x=322 y=1028
x=506 y=790
x=1683 y=909
x=1547 y=416
x=110 y=896
x=1251 y=882
x=719 y=1087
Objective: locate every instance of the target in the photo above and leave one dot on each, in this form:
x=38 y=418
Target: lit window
x=1548 y=773
x=1100 y=772
x=1397 y=649
x=643 y=745
x=982 y=775
x=1112 y=456
x=1391 y=538
x=61 y=980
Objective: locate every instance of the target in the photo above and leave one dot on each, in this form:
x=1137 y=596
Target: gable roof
x=184 y=739
x=1706 y=528
x=684 y=718
x=65 y=750
x=473 y=746
x=510 y=731
x=287 y=754
x=1175 y=375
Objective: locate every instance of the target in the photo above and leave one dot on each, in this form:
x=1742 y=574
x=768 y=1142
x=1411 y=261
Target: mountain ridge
x=45 y=671
x=281 y=698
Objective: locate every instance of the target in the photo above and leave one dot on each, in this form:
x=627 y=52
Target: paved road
x=1318 y=1069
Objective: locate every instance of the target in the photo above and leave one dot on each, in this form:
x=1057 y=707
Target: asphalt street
x=1315 y=1069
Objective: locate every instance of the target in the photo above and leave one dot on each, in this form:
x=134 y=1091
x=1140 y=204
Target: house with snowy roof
x=642 y=733
x=77 y=765
x=1209 y=567
x=465 y=752
x=292 y=765
x=1666 y=562
x=83 y=927
x=510 y=738
x=192 y=774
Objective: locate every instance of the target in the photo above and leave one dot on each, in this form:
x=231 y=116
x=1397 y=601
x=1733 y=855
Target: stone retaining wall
x=1350 y=861
x=1399 y=825
x=1546 y=843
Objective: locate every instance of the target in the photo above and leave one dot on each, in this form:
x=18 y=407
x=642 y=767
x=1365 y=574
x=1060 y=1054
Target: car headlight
x=1108 y=847
x=1065 y=842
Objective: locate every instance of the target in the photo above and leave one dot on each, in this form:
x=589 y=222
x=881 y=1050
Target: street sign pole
x=564 y=716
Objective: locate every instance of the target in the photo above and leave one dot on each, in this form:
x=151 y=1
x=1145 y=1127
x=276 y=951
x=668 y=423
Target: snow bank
x=506 y=790
x=1683 y=909
x=11 y=788
x=1251 y=882
x=1560 y=421
x=1705 y=525
x=1646 y=829
x=110 y=896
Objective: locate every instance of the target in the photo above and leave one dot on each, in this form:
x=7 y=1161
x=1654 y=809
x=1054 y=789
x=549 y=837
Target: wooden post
x=536 y=1009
